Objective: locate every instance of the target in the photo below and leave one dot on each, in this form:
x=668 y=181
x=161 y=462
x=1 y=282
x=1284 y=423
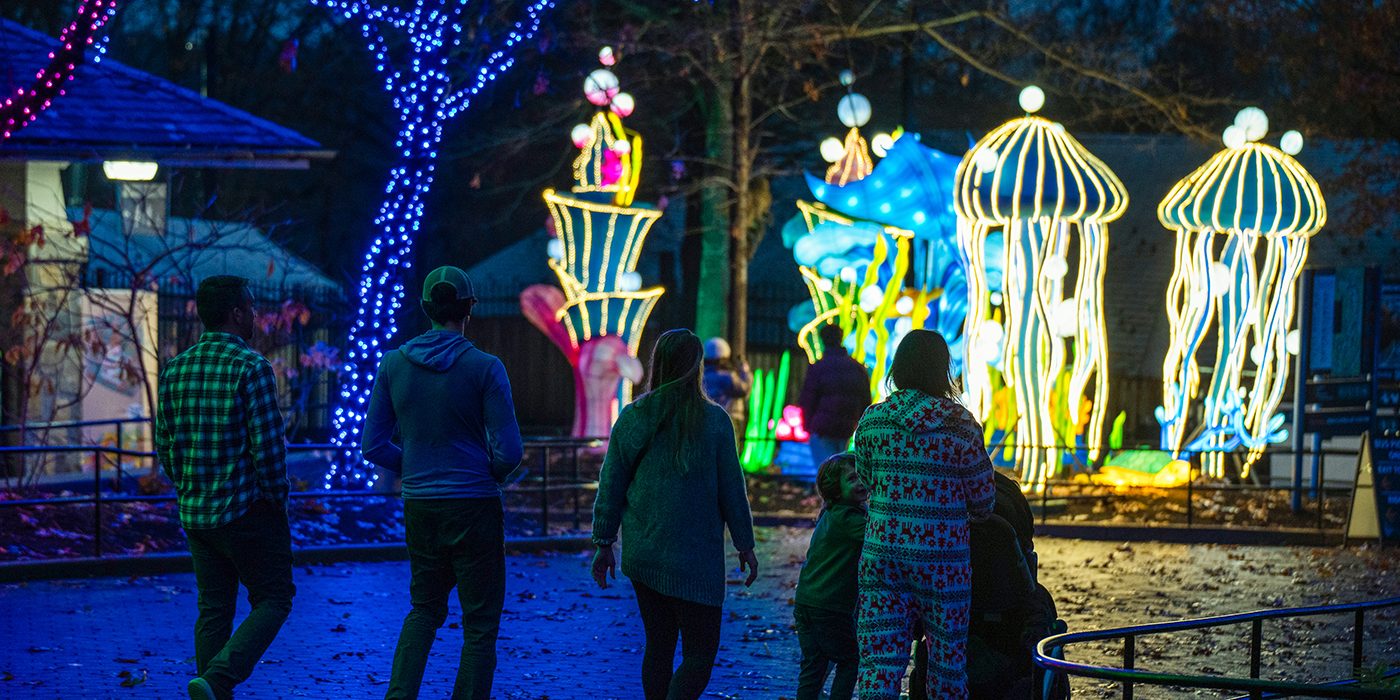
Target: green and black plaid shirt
x=219 y=431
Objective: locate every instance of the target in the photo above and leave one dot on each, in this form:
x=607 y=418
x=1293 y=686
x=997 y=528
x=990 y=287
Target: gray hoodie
x=451 y=405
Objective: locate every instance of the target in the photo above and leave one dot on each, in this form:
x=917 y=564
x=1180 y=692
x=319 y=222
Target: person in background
x=728 y=385
x=825 y=606
x=920 y=452
x=451 y=404
x=834 y=395
x=672 y=481
x=219 y=435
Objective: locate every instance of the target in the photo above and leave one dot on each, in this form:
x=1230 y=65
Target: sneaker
x=200 y=690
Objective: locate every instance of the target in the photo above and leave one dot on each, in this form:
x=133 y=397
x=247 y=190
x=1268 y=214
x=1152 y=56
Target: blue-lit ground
x=563 y=638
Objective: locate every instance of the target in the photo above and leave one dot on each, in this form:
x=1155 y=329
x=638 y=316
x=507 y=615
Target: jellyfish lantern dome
x=1034 y=184
x=1242 y=224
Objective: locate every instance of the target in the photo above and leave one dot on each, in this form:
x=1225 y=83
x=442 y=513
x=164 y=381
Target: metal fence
x=1049 y=654
x=532 y=491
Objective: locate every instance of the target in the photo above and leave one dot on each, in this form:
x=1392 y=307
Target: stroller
x=1011 y=612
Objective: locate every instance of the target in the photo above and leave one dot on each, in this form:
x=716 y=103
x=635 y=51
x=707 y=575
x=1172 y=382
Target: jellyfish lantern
x=597 y=318
x=1242 y=225
x=1036 y=186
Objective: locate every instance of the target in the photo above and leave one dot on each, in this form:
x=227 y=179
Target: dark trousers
x=255 y=550
x=667 y=619
x=826 y=637
x=453 y=542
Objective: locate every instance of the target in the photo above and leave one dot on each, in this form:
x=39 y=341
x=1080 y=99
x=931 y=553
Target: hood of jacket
x=436 y=350
x=918 y=412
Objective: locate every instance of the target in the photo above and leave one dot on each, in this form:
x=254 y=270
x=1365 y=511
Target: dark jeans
x=255 y=550
x=665 y=620
x=453 y=542
x=826 y=637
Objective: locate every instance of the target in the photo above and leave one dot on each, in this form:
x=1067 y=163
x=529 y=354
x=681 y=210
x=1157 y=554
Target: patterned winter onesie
x=929 y=475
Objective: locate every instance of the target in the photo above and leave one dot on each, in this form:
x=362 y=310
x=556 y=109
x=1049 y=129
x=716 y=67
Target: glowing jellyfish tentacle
x=976 y=379
x=1223 y=397
x=1274 y=325
x=1190 y=309
x=1026 y=356
x=1091 y=341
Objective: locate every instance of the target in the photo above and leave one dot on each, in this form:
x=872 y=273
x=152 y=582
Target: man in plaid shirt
x=219 y=437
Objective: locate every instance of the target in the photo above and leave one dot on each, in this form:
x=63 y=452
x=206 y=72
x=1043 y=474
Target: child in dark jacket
x=826 y=589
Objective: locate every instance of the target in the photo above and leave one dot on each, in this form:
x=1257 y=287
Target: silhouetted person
x=672 y=481
x=825 y=604
x=451 y=404
x=219 y=435
x=921 y=454
x=834 y=395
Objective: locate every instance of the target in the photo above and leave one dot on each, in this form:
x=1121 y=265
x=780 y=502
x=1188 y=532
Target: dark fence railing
x=1049 y=655
x=538 y=479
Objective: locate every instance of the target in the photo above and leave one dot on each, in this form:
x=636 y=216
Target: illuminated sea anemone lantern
x=1037 y=186
x=1242 y=225
x=596 y=320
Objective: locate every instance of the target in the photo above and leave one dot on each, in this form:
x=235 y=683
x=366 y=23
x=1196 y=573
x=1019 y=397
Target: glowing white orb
x=555 y=249
x=1234 y=136
x=1256 y=354
x=902 y=326
x=833 y=149
x=905 y=305
x=920 y=217
x=1291 y=143
x=1055 y=267
x=870 y=298
x=1032 y=98
x=1254 y=122
x=622 y=147
x=985 y=160
x=629 y=281
x=1065 y=319
x=881 y=143
x=995 y=298
x=606 y=57
x=853 y=110
x=581 y=134
x=622 y=105
x=847 y=77
x=600 y=87
x=824 y=284
x=1292 y=342
x=852 y=201
x=848 y=275
x=1221 y=278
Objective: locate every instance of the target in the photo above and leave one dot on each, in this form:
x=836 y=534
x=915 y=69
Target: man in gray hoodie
x=451 y=406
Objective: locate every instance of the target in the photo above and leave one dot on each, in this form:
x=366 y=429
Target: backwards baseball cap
x=455 y=277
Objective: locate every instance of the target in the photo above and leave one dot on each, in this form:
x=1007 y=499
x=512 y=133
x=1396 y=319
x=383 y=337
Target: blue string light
x=424 y=96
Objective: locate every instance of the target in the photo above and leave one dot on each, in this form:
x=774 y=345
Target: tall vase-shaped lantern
x=1035 y=186
x=1242 y=225
x=597 y=318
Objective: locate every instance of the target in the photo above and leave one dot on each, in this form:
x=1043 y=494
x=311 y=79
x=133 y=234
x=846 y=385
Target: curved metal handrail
x=1129 y=676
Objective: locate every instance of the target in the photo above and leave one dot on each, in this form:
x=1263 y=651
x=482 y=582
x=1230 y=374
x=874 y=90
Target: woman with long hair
x=672 y=481
x=921 y=455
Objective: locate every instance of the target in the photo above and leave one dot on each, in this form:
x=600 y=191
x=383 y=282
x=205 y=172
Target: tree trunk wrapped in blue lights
x=424 y=82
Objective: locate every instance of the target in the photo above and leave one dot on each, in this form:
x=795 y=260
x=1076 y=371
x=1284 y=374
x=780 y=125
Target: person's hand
x=603 y=564
x=747 y=560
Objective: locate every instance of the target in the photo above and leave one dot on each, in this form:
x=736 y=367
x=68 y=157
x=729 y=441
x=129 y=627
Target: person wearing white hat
x=451 y=404
x=727 y=385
